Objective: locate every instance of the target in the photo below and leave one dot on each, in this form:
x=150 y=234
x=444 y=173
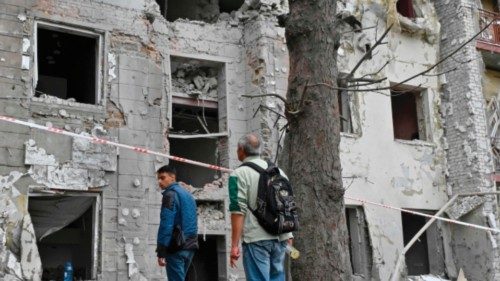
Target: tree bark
x=312 y=144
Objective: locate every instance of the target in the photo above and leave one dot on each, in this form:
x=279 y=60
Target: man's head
x=248 y=145
x=166 y=175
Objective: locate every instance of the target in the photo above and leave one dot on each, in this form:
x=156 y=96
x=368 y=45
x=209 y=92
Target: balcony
x=488 y=42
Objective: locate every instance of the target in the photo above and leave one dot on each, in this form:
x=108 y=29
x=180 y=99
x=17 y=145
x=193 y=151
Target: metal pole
x=395 y=274
x=399 y=262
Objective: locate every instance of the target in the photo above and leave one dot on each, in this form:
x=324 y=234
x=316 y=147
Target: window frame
x=97 y=221
x=363 y=270
x=423 y=112
x=410 y=12
x=80 y=31
x=354 y=107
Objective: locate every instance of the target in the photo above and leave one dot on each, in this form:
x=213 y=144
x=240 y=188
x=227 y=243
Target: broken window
x=359 y=243
x=344 y=102
x=191 y=120
x=419 y=260
x=405 y=8
x=64 y=228
x=201 y=10
x=198 y=120
x=408 y=115
x=67 y=63
x=209 y=263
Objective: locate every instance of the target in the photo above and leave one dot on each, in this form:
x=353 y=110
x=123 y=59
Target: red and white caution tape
x=104 y=141
x=217 y=168
x=425 y=215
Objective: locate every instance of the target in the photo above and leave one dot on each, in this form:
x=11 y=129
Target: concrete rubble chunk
x=37 y=156
x=464 y=205
x=198 y=82
x=30 y=259
x=192 y=79
x=133 y=269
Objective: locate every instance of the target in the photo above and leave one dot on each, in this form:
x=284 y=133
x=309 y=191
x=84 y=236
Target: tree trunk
x=312 y=145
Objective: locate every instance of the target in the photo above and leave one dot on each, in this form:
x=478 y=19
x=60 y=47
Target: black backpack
x=276 y=210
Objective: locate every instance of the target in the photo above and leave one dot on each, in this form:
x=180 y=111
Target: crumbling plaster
x=468 y=147
x=376 y=167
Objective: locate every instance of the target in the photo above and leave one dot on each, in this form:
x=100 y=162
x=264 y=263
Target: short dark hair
x=169 y=169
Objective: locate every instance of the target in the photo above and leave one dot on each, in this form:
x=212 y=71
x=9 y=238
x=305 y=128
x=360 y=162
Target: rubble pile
x=195 y=81
x=210 y=216
x=214 y=191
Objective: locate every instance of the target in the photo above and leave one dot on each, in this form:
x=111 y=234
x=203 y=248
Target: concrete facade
x=467 y=130
x=152 y=76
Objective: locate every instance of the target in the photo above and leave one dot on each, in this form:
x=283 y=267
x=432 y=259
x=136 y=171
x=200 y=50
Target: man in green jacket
x=263 y=253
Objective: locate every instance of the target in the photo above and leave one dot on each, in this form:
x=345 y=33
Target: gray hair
x=250 y=143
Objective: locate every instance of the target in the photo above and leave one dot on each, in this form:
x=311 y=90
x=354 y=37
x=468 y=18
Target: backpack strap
x=261 y=172
x=254 y=166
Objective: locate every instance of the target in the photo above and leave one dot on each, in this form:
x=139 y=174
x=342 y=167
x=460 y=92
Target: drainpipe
x=396 y=273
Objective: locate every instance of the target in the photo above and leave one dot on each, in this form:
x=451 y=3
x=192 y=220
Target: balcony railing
x=489 y=39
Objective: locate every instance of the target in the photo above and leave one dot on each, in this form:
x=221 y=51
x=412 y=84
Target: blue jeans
x=264 y=260
x=178 y=264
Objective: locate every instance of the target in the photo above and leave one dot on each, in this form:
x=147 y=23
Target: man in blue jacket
x=178 y=216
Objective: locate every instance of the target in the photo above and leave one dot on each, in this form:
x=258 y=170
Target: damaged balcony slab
x=74 y=175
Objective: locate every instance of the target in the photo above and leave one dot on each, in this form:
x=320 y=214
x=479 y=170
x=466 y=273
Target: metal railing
x=493 y=119
x=491 y=35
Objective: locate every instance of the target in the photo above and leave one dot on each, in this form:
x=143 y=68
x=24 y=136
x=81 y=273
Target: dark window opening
x=209 y=262
x=345 y=112
x=188 y=120
x=228 y=6
x=405 y=8
x=200 y=10
x=408 y=115
x=417 y=257
x=163 y=7
x=73 y=242
x=67 y=66
x=359 y=243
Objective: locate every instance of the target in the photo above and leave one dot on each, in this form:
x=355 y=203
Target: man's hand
x=235 y=255
x=237 y=221
x=162 y=262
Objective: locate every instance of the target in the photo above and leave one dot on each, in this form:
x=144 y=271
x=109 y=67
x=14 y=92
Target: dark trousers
x=178 y=264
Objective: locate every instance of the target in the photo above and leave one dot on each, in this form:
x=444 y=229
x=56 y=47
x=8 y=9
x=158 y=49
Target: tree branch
x=378 y=71
x=411 y=77
x=441 y=73
x=358 y=29
x=369 y=52
x=265 y=95
x=367 y=80
x=445 y=57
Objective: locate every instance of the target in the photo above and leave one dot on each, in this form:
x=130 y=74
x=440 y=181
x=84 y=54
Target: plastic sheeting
x=50 y=214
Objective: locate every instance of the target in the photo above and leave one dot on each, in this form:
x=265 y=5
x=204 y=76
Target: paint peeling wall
x=376 y=166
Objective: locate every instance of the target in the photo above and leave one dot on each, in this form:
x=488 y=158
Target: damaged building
x=172 y=76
